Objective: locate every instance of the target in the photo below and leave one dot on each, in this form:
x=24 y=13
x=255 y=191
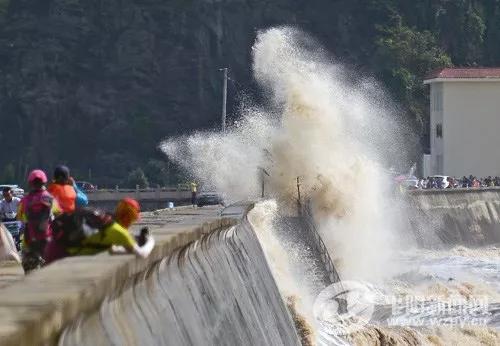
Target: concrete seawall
x=206 y=282
x=216 y=291
x=455 y=216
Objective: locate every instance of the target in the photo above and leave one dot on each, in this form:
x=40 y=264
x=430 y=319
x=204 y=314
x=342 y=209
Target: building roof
x=465 y=73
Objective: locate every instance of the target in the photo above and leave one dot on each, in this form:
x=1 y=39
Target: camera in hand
x=143 y=236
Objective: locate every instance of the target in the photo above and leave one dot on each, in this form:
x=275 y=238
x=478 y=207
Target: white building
x=465 y=122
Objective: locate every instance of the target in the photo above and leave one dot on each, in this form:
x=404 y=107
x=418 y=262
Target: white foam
x=319 y=126
x=333 y=130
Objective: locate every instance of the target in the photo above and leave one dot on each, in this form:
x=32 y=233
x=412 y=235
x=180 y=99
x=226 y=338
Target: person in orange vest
x=62 y=189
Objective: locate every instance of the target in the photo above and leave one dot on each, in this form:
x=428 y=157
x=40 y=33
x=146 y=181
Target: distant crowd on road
x=453 y=183
x=53 y=221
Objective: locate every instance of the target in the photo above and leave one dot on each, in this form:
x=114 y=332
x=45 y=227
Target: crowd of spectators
x=442 y=182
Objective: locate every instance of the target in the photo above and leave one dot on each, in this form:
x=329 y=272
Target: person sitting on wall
x=450 y=183
x=491 y=182
x=465 y=182
x=89 y=231
x=476 y=183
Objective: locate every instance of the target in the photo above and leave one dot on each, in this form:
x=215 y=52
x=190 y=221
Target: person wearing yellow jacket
x=114 y=236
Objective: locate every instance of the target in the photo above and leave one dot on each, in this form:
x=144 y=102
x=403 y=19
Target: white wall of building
x=470 y=118
x=427 y=165
x=436 y=98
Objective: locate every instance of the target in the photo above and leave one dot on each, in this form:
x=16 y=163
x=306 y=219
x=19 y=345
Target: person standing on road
x=36 y=211
x=9 y=204
x=8 y=212
x=62 y=189
x=194 y=187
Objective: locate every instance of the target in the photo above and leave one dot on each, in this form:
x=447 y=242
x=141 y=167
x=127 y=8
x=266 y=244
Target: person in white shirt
x=8 y=206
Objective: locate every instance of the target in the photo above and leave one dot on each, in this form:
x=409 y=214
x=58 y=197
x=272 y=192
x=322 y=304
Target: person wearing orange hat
x=113 y=236
x=127 y=212
x=36 y=211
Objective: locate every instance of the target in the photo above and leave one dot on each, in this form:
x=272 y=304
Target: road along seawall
x=455 y=216
x=207 y=282
x=150 y=199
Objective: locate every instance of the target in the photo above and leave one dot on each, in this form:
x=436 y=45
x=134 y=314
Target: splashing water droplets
x=334 y=130
x=317 y=125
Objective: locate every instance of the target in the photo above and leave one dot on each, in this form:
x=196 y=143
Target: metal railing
x=333 y=275
x=304 y=211
x=180 y=187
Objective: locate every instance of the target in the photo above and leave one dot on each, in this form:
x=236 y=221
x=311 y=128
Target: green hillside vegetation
x=96 y=84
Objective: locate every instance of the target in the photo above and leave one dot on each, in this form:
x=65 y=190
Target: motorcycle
x=14 y=227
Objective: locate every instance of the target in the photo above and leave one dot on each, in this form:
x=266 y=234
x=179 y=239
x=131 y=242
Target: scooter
x=14 y=227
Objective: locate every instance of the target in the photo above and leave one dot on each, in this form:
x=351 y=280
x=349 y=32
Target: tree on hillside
x=136 y=178
x=157 y=172
x=491 y=48
x=99 y=83
x=461 y=30
x=404 y=56
x=9 y=174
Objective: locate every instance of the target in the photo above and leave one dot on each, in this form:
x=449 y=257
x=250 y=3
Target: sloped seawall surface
x=455 y=217
x=216 y=291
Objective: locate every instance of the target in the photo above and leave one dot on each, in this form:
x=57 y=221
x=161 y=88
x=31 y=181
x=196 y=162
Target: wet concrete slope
x=306 y=258
x=216 y=291
x=462 y=216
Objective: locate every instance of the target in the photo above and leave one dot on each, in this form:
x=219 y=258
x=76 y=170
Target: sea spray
x=228 y=163
x=324 y=130
x=336 y=133
x=332 y=137
x=321 y=127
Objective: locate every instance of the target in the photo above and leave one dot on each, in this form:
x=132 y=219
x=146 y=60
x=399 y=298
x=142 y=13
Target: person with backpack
x=89 y=231
x=63 y=189
x=36 y=211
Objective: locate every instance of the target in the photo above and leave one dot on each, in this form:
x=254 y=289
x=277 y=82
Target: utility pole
x=263 y=187
x=299 y=203
x=263 y=174
x=224 y=98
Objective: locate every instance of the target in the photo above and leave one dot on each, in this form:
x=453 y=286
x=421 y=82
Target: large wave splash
x=321 y=123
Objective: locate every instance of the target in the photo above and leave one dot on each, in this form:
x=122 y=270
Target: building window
x=439 y=130
x=437 y=98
